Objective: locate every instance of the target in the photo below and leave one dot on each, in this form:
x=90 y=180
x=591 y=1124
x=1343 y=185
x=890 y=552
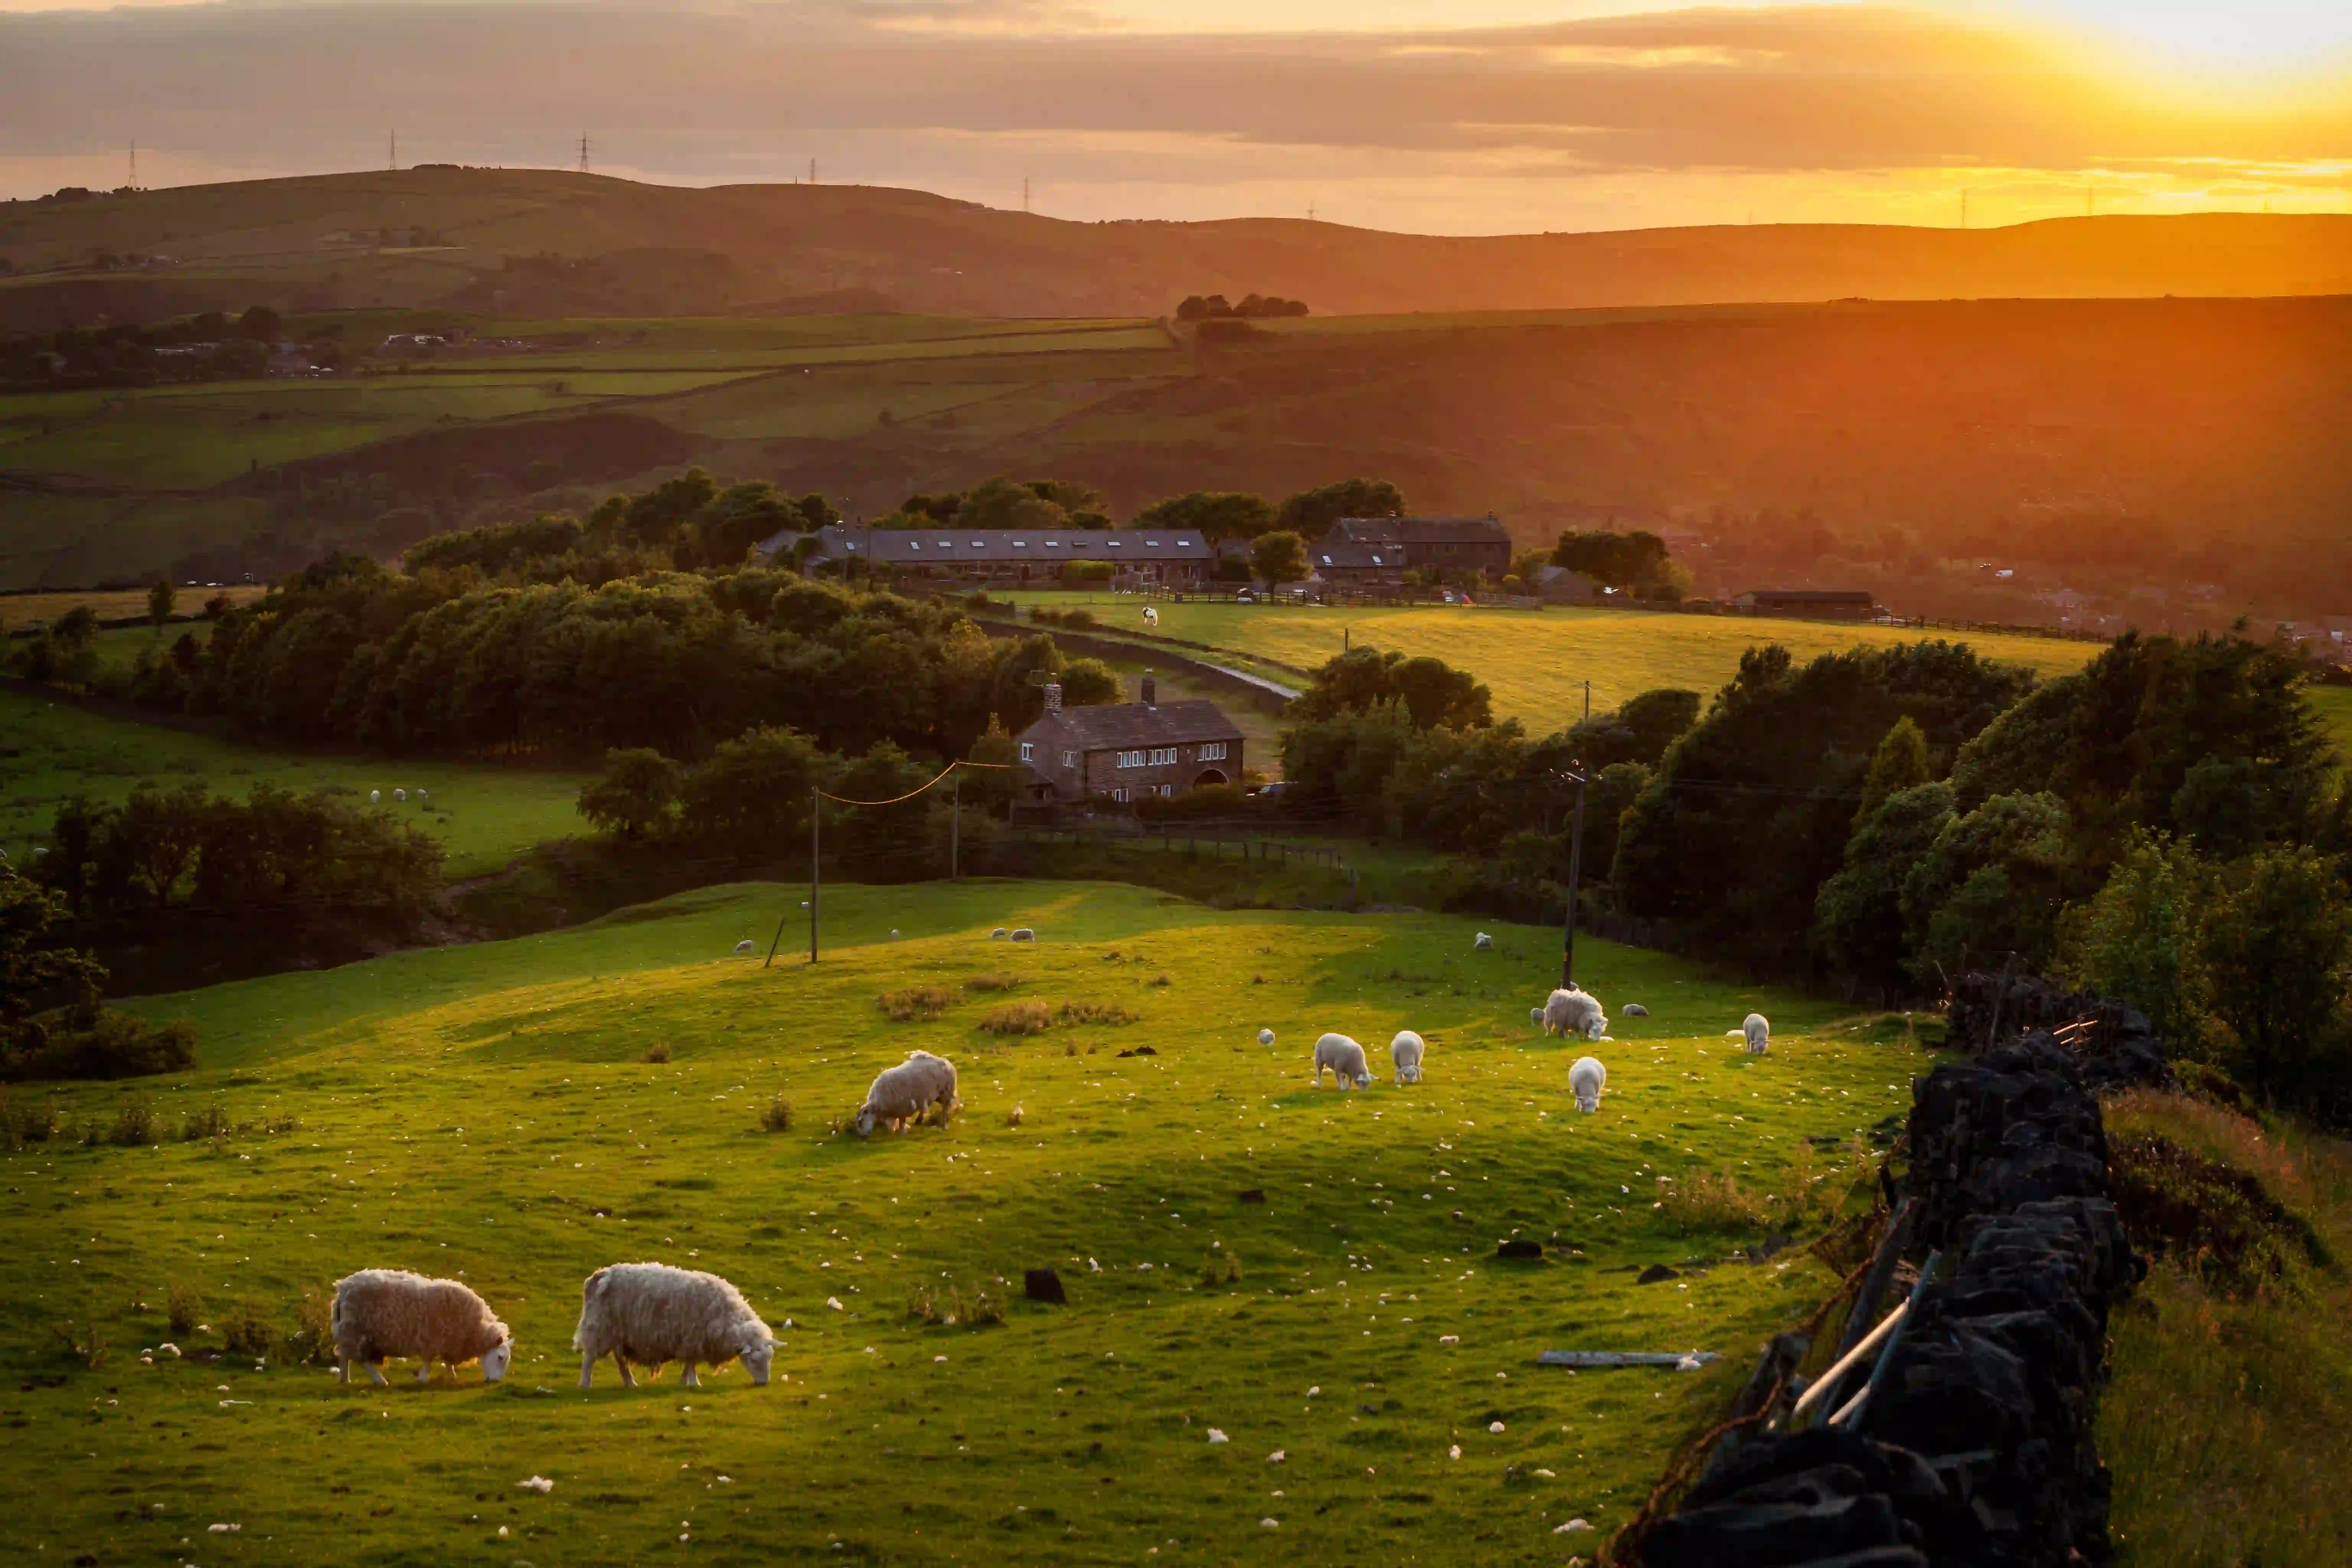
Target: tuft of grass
x=84 y=1341
x=311 y=1340
x=1017 y=1018
x=211 y=1123
x=947 y=1307
x=2216 y=1221
x=914 y=1003
x=776 y=1116
x=992 y=983
x=248 y=1329
x=183 y=1306
x=1094 y=1012
x=657 y=1053
x=1711 y=1201
x=26 y=1121
x=135 y=1126
x=1221 y=1267
x=1013 y=1117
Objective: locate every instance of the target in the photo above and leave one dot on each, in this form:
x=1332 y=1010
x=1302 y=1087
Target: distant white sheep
x=1571 y=1012
x=900 y=1094
x=998 y=934
x=1635 y=1010
x=375 y=797
x=743 y=946
x=400 y=795
x=894 y=934
x=422 y=794
x=1758 y=1032
x=1150 y=616
x=1482 y=942
x=1265 y=1037
x=1585 y=1080
x=1405 y=1052
x=1022 y=933
x=382 y=1312
x=1345 y=1059
x=651 y=1313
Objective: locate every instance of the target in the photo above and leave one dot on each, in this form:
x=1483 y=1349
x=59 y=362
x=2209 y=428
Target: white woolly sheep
x=375 y=797
x=1572 y=1012
x=1150 y=616
x=1265 y=1037
x=743 y=946
x=1585 y=1080
x=400 y=795
x=1635 y=1010
x=382 y=1312
x=1345 y=1058
x=1405 y=1052
x=1022 y=933
x=900 y=1094
x=894 y=934
x=1481 y=943
x=651 y=1313
x=998 y=934
x=1757 y=1030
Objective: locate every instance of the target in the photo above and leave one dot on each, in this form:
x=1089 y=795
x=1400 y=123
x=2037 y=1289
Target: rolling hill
x=573 y=244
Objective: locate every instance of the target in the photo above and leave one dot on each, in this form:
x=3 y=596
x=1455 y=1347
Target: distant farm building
x=1136 y=556
x=1558 y=585
x=1479 y=544
x=1811 y=604
x=1127 y=751
x=1340 y=563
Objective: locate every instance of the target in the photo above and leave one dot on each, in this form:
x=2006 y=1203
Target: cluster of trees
x=210 y=346
x=52 y=1024
x=688 y=524
x=1252 y=307
x=1637 y=561
x=1002 y=502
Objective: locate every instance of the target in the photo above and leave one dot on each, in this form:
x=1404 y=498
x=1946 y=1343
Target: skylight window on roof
x=914 y=545
x=1152 y=542
x=1053 y=544
x=947 y=544
x=1113 y=543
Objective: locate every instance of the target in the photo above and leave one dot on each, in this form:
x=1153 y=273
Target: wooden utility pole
x=1575 y=876
x=955 y=827
x=816 y=819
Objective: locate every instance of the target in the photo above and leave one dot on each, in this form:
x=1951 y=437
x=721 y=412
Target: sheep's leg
x=621 y=1362
x=587 y=1366
x=342 y=1369
x=689 y=1380
x=376 y=1373
x=424 y=1371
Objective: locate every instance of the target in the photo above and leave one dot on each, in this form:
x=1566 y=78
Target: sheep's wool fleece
x=653 y=1313
x=1568 y=1013
x=914 y=1085
x=382 y=1312
x=1342 y=1055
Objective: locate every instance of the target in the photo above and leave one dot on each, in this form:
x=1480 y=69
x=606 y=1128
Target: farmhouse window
x=1211 y=752
x=1028 y=751
x=1069 y=759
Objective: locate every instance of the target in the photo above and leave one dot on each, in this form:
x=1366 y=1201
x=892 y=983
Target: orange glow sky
x=1470 y=116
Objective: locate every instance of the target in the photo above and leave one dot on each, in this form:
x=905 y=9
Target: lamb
x=743 y=946
x=1482 y=942
x=400 y=795
x=1022 y=933
x=1585 y=1080
x=903 y=1093
x=424 y=794
x=652 y=1313
x=1758 y=1031
x=382 y=1312
x=1265 y=1037
x=998 y=934
x=1635 y=1010
x=1345 y=1058
x=1571 y=1012
x=1405 y=1052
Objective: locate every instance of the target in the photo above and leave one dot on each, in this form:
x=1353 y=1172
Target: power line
x=584 y=152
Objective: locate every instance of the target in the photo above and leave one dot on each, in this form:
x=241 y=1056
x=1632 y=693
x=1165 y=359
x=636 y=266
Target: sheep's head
x=496 y=1360
x=1536 y=1016
x=1363 y=1081
x=1596 y=1026
x=864 y=1125
x=756 y=1355
x=1589 y=1103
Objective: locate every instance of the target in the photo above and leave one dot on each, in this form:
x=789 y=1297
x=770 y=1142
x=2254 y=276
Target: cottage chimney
x=1053 y=697
x=1150 y=691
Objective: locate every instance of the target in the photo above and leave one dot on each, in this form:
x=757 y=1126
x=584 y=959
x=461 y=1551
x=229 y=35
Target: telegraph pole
x=1575 y=876
x=816 y=816
x=391 y=149
x=955 y=827
x=584 y=152
x=134 y=162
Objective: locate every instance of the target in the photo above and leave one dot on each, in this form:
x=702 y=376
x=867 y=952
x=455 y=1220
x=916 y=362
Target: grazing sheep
x=1758 y=1032
x=894 y=934
x=375 y=797
x=1265 y=1037
x=900 y=1094
x=1150 y=616
x=1585 y=1080
x=400 y=795
x=1405 y=1052
x=651 y=1313
x=381 y=1312
x=998 y=934
x=743 y=946
x=1482 y=942
x=1635 y=1010
x=1345 y=1058
x=424 y=794
x=1572 y=1012
x=1022 y=933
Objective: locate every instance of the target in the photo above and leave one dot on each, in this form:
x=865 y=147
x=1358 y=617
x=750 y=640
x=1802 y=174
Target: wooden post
x=1575 y=876
x=816 y=816
x=955 y=824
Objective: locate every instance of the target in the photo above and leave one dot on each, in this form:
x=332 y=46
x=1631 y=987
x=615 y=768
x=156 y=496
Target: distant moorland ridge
x=568 y=244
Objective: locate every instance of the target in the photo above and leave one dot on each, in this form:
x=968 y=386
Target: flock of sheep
x=375 y=797
x=654 y=1314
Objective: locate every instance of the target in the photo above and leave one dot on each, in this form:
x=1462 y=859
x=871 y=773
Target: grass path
x=489 y=1111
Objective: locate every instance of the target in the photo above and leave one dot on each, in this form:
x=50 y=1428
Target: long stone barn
x=1139 y=557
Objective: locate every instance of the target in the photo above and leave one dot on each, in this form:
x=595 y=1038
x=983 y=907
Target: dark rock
x=1520 y=1247
x=1655 y=1272
x=1043 y=1285
x=1252 y=1195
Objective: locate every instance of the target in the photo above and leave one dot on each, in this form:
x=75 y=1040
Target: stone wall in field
x=1976 y=1446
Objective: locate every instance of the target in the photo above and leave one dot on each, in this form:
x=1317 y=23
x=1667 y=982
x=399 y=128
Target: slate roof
x=1050 y=546
x=1424 y=530
x=1123 y=726
x=1342 y=556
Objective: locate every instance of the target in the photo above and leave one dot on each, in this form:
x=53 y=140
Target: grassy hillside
x=1536 y=662
x=50 y=751
x=324 y=242
x=487 y=1111
x=2334 y=706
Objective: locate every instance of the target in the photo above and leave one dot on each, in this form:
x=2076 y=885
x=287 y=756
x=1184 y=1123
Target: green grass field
x=487 y=1111
x=50 y=751
x=2334 y=706
x=1536 y=661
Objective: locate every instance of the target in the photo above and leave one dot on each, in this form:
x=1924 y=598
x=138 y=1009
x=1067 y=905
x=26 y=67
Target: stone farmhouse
x=1138 y=557
x=1127 y=751
x=1478 y=544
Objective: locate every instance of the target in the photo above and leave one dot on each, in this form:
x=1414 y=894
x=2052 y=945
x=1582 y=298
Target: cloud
x=941 y=91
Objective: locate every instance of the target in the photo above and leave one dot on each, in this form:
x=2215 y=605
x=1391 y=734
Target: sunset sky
x=1476 y=116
